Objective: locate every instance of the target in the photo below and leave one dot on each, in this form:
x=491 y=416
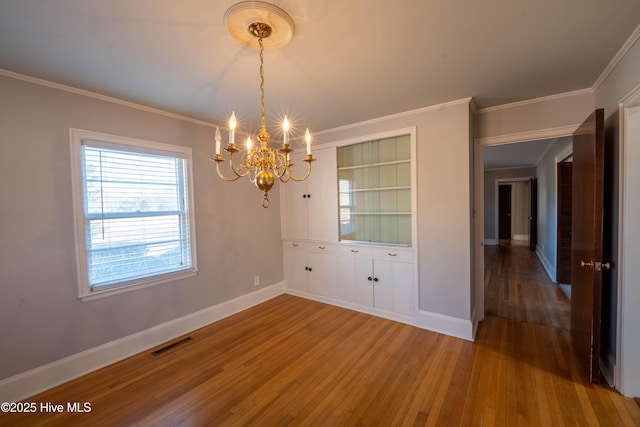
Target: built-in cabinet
x=309 y=208
x=309 y=267
x=382 y=278
x=348 y=229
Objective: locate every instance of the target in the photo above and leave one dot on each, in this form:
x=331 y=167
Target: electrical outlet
x=256 y=280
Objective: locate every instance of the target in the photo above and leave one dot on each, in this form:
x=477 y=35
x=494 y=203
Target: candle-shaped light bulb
x=218 y=138
x=249 y=144
x=232 y=128
x=285 y=126
x=307 y=137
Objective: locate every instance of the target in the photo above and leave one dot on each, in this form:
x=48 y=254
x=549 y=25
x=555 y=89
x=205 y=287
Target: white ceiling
x=524 y=154
x=349 y=61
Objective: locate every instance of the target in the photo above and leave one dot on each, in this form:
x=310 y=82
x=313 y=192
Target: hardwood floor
x=517 y=287
x=292 y=361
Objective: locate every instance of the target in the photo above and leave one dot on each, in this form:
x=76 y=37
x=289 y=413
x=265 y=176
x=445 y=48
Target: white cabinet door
x=293 y=204
x=383 y=284
x=295 y=263
x=404 y=289
x=347 y=278
x=364 y=283
x=310 y=208
x=321 y=266
x=322 y=196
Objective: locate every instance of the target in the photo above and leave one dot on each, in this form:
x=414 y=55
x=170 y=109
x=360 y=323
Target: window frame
x=77 y=137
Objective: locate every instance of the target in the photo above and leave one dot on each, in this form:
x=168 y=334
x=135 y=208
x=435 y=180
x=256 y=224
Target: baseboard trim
x=447 y=325
x=608 y=367
x=551 y=271
x=442 y=324
x=490 y=242
x=42 y=378
x=520 y=237
x=409 y=320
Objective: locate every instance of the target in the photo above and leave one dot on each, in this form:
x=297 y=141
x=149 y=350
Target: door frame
x=478 y=198
x=627 y=381
x=478 y=190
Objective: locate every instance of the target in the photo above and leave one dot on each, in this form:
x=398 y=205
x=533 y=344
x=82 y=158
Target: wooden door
x=563 y=260
x=504 y=211
x=586 y=251
x=533 y=218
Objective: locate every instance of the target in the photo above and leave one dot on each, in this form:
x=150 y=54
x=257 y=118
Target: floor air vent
x=170 y=346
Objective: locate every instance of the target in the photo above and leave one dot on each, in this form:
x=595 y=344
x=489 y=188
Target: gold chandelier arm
x=308 y=159
x=218 y=159
x=238 y=172
x=279 y=165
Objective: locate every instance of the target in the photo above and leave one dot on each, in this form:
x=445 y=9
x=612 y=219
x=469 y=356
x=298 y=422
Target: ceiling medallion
x=260 y=26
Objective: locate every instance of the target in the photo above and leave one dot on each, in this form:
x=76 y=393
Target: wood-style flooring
x=517 y=287
x=292 y=361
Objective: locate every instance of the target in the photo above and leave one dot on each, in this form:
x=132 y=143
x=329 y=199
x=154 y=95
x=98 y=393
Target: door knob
x=597 y=266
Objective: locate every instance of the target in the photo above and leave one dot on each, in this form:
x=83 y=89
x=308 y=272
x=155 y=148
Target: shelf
x=375 y=191
x=373 y=165
x=363 y=190
x=379 y=213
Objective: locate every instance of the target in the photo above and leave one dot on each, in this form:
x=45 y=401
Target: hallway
x=518 y=288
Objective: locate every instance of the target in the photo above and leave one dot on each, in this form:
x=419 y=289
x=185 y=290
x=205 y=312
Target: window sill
x=93 y=295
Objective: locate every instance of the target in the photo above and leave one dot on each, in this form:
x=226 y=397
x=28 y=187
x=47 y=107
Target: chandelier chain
x=262 y=164
x=262 y=81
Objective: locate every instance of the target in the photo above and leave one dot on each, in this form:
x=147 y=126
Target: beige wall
x=562 y=113
x=41 y=319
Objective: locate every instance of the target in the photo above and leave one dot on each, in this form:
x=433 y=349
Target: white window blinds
x=136 y=220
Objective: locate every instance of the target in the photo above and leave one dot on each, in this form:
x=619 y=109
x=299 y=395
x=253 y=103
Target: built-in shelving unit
x=374 y=191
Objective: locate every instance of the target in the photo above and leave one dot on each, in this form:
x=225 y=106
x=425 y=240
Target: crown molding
x=89 y=94
x=633 y=38
x=511 y=168
x=534 y=135
x=462 y=101
x=535 y=100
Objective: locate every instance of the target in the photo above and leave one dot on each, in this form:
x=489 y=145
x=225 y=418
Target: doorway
x=504 y=212
x=528 y=266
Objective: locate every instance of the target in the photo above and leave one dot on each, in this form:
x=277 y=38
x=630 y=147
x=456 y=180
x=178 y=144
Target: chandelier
x=248 y=22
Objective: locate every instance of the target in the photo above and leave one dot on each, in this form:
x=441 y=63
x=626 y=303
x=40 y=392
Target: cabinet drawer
x=310 y=246
x=321 y=247
x=367 y=251
x=389 y=252
x=294 y=245
x=393 y=254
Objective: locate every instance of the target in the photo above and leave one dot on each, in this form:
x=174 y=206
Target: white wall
x=41 y=318
x=620 y=80
x=444 y=162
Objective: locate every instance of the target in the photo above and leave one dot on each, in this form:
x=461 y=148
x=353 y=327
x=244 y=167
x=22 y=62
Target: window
x=133 y=210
